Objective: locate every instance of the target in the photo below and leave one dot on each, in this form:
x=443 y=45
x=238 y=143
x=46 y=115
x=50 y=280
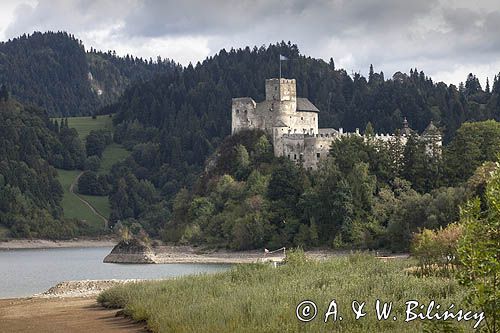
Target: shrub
x=436 y=250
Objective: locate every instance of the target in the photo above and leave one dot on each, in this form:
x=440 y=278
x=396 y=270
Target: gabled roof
x=303 y=104
x=431 y=129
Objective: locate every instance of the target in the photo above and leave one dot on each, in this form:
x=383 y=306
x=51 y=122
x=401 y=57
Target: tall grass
x=259 y=298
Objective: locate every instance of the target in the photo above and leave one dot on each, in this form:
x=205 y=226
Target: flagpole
x=280 y=68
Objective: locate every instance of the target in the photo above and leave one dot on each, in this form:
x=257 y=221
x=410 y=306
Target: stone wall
x=244 y=115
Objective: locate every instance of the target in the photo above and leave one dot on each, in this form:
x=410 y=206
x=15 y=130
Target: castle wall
x=307 y=150
x=244 y=115
x=295 y=134
x=300 y=122
x=281 y=90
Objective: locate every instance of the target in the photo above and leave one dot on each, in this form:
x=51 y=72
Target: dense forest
x=358 y=198
x=187 y=181
x=30 y=195
x=53 y=71
x=173 y=122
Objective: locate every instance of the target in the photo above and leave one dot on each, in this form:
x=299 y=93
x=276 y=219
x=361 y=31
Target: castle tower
x=281 y=90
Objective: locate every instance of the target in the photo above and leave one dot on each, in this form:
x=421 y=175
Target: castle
x=292 y=122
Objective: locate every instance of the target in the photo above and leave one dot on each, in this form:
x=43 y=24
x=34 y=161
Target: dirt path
x=92 y=208
x=63 y=315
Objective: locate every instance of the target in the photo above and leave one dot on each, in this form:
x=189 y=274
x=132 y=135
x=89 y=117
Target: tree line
x=52 y=70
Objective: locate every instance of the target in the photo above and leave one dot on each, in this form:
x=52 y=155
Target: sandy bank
x=49 y=244
x=61 y=315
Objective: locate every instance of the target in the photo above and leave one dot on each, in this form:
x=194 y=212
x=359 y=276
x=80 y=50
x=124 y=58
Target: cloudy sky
x=446 y=39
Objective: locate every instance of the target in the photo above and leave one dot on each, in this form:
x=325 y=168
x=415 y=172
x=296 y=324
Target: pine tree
x=370 y=75
x=4 y=93
x=332 y=64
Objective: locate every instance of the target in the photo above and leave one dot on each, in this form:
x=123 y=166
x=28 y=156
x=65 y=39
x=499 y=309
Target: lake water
x=27 y=272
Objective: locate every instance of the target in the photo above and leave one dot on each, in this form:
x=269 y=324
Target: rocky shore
x=82 y=288
x=131 y=251
x=17 y=244
x=137 y=252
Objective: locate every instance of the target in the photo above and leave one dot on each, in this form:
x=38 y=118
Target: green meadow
x=75 y=208
x=112 y=154
x=84 y=125
x=260 y=298
x=72 y=206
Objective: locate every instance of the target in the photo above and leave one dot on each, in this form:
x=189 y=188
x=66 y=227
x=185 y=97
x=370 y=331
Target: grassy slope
x=73 y=207
x=84 y=125
x=259 y=298
x=112 y=154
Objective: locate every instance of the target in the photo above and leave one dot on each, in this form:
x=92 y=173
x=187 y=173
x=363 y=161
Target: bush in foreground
x=259 y=298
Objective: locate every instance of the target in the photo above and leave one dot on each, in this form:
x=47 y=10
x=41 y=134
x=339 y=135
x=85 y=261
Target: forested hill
x=53 y=71
x=180 y=117
x=30 y=194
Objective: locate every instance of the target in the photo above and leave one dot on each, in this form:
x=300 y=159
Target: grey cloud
x=73 y=16
x=435 y=35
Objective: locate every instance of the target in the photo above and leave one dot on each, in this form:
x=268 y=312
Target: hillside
x=53 y=71
x=80 y=206
x=174 y=122
x=30 y=204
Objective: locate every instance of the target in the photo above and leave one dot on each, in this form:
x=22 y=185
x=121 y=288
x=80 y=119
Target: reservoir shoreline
x=26 y=244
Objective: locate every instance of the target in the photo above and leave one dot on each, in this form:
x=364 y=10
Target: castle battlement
x=292 y=122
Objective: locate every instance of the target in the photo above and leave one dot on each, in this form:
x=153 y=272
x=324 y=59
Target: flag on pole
x=282 y=57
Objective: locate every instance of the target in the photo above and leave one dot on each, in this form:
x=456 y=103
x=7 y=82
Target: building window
x=288 y=156
x=245 y=111
x=237 y=111
x=301 y=118
x=294 y=156
x=301 y=157
x=318 y=155
x=275 y=88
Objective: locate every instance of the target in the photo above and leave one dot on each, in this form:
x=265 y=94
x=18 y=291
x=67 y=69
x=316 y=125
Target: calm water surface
x=26 y=272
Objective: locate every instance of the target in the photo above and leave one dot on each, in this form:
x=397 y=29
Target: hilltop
x=52 y=70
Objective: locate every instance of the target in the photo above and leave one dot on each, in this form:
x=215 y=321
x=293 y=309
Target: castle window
x=294 y=156
x=237 y=111
x=288 y=156
x=275 y=88
x=301 y=157
x=301 y=118
x=245 y=111
x=318 y=155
